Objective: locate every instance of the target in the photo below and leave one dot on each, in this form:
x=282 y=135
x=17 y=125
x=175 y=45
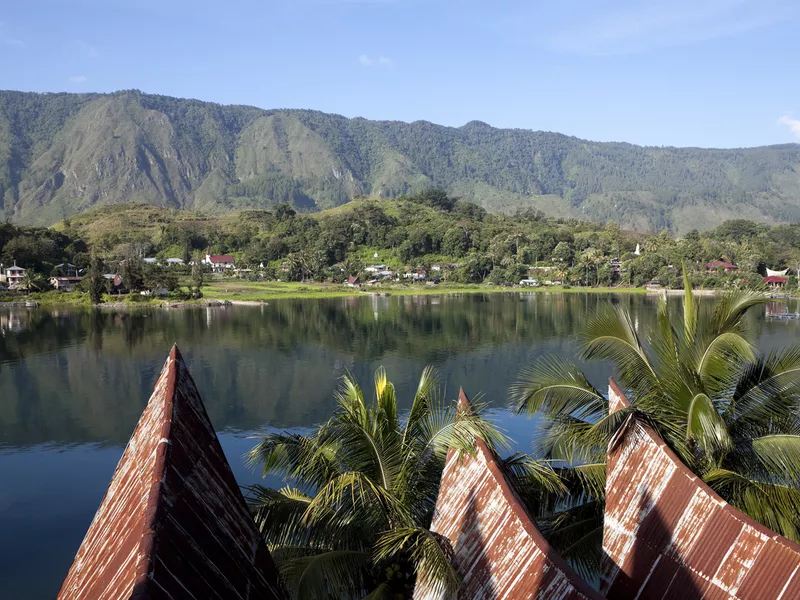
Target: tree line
x=412 y=232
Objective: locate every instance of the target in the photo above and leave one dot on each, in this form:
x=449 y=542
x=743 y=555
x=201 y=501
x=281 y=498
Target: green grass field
x=257 y=291
x=250 y=291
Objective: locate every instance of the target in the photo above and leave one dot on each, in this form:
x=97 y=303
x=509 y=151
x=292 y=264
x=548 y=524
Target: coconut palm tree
x=354 y=519
x=30 y=281
x=731 y=413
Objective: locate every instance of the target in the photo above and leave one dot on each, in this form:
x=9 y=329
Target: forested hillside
x=61 y=154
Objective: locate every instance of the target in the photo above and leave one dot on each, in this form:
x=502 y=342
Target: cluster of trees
x=355 y=515
x=417 y=231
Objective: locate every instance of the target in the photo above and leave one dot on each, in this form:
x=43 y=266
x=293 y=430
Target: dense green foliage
x=355 y=517
x=61 y=154
x=728 y=411
x=430 y=232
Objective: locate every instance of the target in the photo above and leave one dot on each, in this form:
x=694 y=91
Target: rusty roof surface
x=173 y=523
x=668 y=535
x=497 y=549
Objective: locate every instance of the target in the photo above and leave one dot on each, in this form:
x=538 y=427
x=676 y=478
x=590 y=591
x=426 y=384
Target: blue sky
x=720 y=73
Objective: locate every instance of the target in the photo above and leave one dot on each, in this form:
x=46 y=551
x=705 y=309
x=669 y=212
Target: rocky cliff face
x=63 y=153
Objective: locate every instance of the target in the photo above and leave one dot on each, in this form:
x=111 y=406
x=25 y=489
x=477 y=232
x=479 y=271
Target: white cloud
x=78 y=79
x=380 y=61
x=667 y=23
x=792 y=123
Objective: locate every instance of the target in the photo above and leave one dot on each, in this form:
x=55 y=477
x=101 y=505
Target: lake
x=73 y=384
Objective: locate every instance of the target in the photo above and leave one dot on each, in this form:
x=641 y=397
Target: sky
x=710 y=73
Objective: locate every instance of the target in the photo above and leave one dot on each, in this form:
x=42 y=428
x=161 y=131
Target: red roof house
x=219 y=262
x=776 y=281
x=173 y=523
x=713 y=266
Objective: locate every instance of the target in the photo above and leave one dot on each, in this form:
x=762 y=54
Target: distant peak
x=477 y=125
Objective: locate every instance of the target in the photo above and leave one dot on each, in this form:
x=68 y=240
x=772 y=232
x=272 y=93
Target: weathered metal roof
x=173 y=523
x=668 y=535
x=497 y=549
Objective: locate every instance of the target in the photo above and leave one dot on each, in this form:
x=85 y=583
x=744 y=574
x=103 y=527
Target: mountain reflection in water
x=73 y=384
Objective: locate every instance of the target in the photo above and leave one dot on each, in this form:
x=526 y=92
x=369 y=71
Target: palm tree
x=729 y=412
x=30 y=281
x=354 y=519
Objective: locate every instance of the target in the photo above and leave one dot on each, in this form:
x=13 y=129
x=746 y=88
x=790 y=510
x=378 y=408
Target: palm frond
x=280 y=517
x=779 y=455
x=767 y=389
x=332 y=574
x=705 y=426
x=590 y=479
x=353 y=495
x=425 y=394
x=382 y=592
x=722 y=357
x=689 y=308
x=532 y=475
x=351 y=402
x=773 y=505
x=555 y=386
x=386 y=403
x=445 y=428
x=430 y=554
x=611 y=335
x=730 y=308
x=577 y=534
x=309 y=460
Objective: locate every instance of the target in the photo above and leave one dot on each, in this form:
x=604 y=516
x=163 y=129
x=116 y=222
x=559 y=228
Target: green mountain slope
x=61 y=154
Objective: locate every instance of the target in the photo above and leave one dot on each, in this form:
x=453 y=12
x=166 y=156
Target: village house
x=117 y=285
x=66 y=270
x=174 y=261
x=14 y=275
x=150 y=261
x=713 y=267
x=417 y=275
x=776 y=281
x=353 y=281
x=219 y=262
x=65 y=284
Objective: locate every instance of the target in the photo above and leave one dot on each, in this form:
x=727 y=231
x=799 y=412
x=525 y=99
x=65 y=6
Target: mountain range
x=61 y=154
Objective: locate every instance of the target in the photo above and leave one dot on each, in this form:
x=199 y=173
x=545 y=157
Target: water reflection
x=74 y=382
x=83 y=376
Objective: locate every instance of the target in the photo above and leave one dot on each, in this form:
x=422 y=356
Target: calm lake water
x=74 y=382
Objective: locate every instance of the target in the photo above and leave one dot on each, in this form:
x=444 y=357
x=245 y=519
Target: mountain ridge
x=62 y=153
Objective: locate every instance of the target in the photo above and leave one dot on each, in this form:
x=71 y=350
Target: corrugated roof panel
x=668 y=535
x=497 y=549
x=173 y=523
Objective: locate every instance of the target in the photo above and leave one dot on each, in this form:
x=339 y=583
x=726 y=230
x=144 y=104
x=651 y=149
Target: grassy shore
x=248 y=291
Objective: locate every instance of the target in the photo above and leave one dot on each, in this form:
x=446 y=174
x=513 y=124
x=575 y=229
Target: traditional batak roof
x=173 y=523
x=497 y=549
x=668 y=535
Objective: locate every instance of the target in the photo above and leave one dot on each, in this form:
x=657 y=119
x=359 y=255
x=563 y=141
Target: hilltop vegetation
x=429 y=232
x=61 y=154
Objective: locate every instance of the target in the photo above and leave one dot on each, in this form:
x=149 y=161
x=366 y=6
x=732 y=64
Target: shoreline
x=234 y=293
x=255 y=294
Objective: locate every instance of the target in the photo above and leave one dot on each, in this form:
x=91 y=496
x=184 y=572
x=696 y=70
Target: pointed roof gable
x=497 y=549
x=173 y=523
x=668 y=535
